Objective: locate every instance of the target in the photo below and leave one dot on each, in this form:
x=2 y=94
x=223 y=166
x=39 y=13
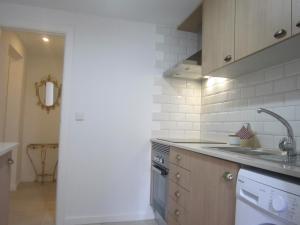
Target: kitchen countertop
x=279 y=167
x=5 y=147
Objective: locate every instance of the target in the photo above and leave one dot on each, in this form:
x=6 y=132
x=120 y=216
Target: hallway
x=33 y=204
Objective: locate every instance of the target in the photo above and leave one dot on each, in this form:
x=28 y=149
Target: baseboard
x=81 y=220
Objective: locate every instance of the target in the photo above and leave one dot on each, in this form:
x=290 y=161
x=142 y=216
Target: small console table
x=40 y=167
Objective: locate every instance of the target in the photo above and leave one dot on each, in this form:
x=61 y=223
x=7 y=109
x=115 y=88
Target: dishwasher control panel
x=279 y=201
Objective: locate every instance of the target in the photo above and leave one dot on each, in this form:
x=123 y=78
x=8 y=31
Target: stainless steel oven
x=159 y=181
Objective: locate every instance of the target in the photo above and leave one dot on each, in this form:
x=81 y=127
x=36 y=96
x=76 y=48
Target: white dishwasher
x=266 y=200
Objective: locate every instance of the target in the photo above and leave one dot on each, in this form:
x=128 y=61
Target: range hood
x=187 y=69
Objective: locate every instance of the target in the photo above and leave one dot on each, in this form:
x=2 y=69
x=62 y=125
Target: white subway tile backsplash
x=160 y=133
x=185 y=108
x=196 y=127
x=298 y=113
x=292 y=68
x=195 y=117
x=187 y=92
x=274 y=100
x=185 y=125
x=264 y=89
x=274 y=88
x=177 y=102
x=161 y=99
x=292 y=98
x=274 y=128
x=167 y=125
x=170 y=108
x=177 y=133
x=192 y=134
x=177 y=116
x=193 y=100
x=274 y=73
x=159 y=116
x=248 y=92
x=286 y=84
x=254 y=103
x=288 y=112
x=296 y=127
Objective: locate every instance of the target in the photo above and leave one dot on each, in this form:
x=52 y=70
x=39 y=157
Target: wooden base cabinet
x=4 y=188
x=213 y=185
x=203 y=192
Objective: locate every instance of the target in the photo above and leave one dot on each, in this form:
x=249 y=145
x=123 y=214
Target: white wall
x=39 y=126
x=12 y=82
x=108 y=160
x=229 y=103
x=176 y=102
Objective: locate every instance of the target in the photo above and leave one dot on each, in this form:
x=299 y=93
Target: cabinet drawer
x=171 y=220
x=180 y=176
x=178 y=194
x=180 y=158
x=177 y=213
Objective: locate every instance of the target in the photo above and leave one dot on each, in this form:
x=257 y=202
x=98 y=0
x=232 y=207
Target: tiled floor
x=34 y=204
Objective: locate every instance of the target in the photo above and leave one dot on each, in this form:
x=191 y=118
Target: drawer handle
x=10 y=161
x=177 y=176
x=178 y=157
x=177 y=212
x=228 y=58
x=280 y=34
x=298 y=24
x=177 y=194
x=228 y=176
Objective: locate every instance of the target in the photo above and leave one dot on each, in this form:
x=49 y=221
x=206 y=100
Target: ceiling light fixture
x=45 y=39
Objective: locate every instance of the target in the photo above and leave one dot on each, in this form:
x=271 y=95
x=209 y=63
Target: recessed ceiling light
x=45 y=39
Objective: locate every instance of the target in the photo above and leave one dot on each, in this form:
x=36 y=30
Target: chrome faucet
x=287 y=144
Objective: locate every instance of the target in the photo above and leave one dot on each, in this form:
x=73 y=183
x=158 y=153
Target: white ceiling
x=169 y=12
x=35 y=46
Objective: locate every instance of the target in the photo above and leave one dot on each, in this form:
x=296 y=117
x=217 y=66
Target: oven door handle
x=160 y=171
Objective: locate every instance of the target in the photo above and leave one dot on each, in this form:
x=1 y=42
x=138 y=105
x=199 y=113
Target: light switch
x=79 y=116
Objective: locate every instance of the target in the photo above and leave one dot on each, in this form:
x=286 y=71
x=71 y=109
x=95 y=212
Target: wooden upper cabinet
x=213 y=185
x=260 y=24
x=4 y=188
x=296 y=17
x=218 y=34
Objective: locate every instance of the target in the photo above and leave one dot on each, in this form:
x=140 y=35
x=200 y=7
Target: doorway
x=29 y=117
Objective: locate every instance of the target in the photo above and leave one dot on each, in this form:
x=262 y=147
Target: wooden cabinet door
x=4 y=189
x=213 y=197
x=296 y=17
x=260 y=24
x=218 y=34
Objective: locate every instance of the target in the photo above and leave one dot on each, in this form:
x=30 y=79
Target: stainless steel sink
x=244 y=150
x=259 y=153
x=295 y=161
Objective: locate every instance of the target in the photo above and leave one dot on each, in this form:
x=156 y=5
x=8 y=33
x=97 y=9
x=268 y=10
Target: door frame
x=68 y=32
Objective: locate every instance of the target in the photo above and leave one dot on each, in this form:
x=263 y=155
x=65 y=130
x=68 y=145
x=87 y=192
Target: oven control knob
x=279 y=204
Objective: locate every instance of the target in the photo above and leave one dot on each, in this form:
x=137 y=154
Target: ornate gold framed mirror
x=48 y=92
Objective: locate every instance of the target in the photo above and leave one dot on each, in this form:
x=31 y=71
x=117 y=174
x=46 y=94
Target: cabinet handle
x=228 y=176
x=177 y=176
x=178 y=157
x=10 y=161
x=280 y=34
x=228 y=58
x=177 y=212
x=177 y=194
x=298 y=24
